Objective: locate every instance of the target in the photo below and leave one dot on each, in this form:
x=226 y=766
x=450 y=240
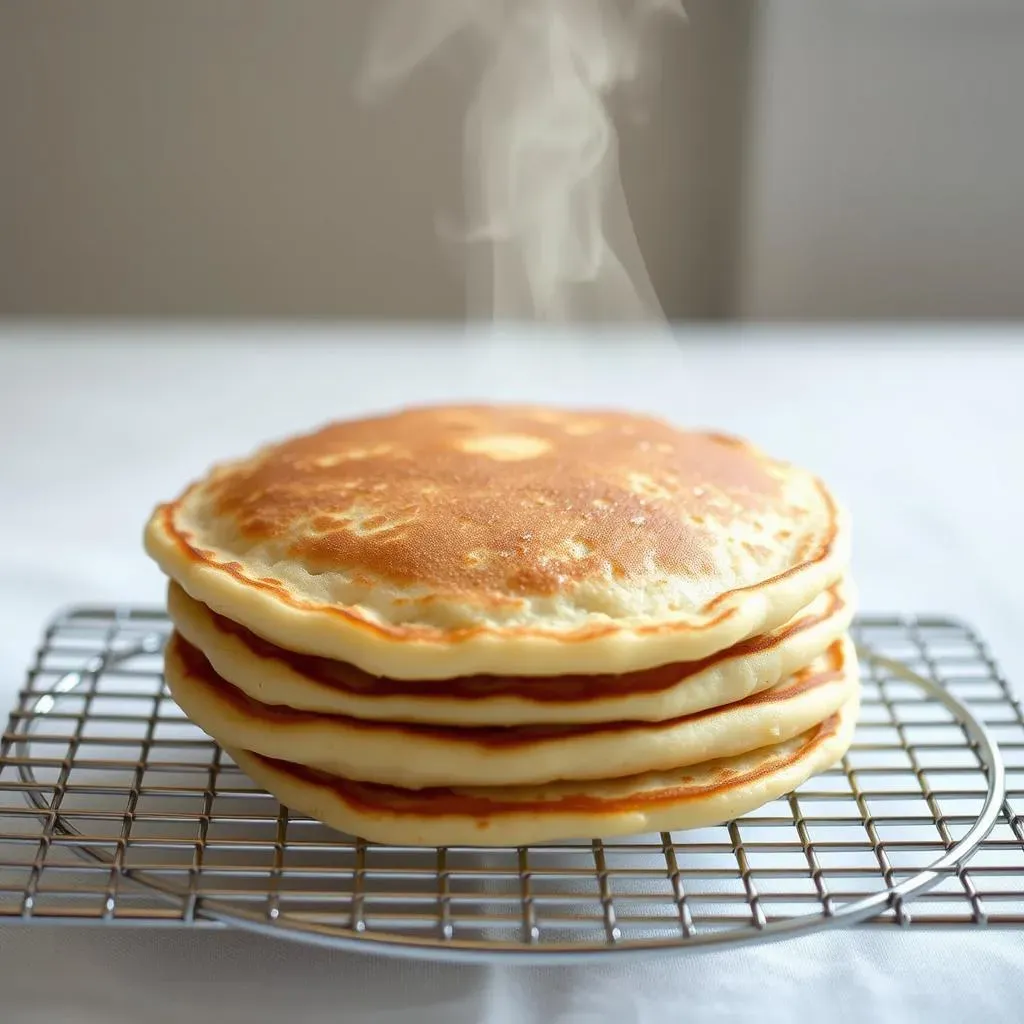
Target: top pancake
x=439 y=542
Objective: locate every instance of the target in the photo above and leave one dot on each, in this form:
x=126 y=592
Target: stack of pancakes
x=501 y=625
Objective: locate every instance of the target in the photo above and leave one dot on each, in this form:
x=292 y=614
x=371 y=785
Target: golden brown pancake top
x=503 y=501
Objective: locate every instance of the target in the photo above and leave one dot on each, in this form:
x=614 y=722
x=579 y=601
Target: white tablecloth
x=922 y=433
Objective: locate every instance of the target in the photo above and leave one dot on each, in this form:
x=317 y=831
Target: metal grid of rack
x=115 y=809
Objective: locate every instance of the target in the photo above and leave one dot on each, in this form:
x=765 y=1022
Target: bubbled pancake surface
x=439 y=542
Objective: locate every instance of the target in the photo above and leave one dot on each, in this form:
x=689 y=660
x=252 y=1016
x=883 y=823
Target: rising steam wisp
x=542 y=181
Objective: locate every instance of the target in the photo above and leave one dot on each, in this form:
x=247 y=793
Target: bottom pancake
x=692 y=797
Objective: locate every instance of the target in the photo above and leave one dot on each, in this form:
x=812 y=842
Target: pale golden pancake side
x=272 y=675
x=692 y=797
x=419 y=756
x=442 y=542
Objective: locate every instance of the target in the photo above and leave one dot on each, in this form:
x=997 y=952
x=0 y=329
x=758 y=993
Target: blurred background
x=802 y=160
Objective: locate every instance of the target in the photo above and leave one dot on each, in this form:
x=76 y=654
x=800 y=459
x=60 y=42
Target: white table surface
x=922 y=434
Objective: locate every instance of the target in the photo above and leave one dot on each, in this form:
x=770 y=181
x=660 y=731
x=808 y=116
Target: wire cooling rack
x=115 y=810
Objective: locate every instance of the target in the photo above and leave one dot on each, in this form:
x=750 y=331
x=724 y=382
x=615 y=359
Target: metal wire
x=114 y=809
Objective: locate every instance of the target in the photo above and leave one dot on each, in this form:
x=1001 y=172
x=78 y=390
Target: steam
x=543 y=190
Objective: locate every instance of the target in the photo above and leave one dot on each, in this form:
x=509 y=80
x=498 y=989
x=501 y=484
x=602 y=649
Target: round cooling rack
x=165 y=809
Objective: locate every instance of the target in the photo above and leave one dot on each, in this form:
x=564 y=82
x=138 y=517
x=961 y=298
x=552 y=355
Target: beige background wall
x=863 y=158
x=885 y=161
x=209 y=157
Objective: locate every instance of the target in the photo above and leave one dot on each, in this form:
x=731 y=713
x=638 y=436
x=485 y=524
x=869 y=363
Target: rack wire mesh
x=115 y=809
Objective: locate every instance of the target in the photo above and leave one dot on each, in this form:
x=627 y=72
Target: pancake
x=691 y=797
x=442 y=542
x=272 y=675
x=419 y=756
